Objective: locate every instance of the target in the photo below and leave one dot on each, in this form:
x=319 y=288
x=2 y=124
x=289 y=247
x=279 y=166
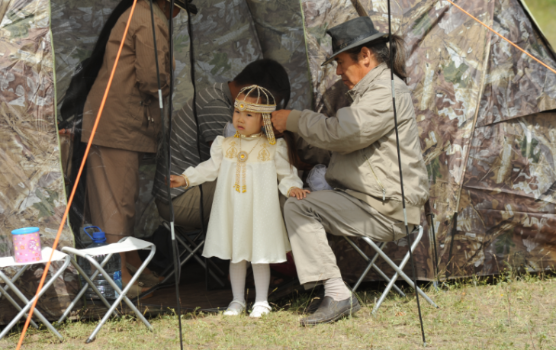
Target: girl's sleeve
x=208 y=170
x=287 y=174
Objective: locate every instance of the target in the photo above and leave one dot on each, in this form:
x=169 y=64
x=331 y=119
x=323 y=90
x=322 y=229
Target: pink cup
x=27 y=244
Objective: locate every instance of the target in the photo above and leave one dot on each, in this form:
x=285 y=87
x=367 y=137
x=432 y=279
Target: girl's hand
x=176 y=181
x=299 y=193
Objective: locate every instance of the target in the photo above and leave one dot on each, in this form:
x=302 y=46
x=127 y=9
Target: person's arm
x=352 y=129
x=145 y=64
x=204 y=172
x=287 y=174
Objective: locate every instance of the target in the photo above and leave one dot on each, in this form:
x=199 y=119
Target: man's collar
x=363 y=84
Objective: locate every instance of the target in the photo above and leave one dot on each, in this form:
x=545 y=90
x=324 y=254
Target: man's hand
x=299 y=193
x=176 y=181
x=280 y=118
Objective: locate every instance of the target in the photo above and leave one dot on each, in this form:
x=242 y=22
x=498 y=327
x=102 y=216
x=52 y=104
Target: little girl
x=246 y=222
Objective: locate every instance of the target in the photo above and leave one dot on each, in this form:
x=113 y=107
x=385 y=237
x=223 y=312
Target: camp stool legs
x=126 y=244
x=371 y=265
x=193 y=247
x=9 y=298
x=397 y=269
x=10 y=284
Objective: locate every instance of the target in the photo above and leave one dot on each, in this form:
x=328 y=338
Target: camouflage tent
x=484 y=111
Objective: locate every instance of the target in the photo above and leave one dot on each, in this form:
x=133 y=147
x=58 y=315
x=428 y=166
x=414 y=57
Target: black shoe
x=331 y=310
x=315 y=302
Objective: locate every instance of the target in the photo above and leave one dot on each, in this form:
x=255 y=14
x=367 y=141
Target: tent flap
x=32 y=187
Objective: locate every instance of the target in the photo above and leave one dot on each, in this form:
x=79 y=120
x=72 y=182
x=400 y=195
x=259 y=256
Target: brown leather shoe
x=330 y=311
x=136 y=289
x=149 y=280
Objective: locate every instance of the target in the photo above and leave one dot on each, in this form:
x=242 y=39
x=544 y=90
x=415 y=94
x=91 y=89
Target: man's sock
x=238 y=271
x=336 y=289
x=261 y=273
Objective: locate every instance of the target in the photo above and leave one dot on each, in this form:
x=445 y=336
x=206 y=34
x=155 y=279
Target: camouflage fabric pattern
x=224 y=41
x=32 y=184
x=279 y=26
x=488 y=146
x=469 y=86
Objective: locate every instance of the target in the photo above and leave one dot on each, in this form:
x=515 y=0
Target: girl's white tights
x=237 y=278
x=261 y=272
x=238 y=271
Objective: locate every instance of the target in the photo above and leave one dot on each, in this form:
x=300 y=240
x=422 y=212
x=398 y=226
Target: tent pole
x=401 y=173
x=177 y=266
x=195 y=116
x=167 y=159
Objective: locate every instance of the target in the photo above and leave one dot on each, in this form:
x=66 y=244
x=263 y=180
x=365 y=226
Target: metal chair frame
x=398 y=269
x=10 y=284
x=124 y=245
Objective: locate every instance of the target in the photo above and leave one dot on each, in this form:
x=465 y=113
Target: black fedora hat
x=352 y=33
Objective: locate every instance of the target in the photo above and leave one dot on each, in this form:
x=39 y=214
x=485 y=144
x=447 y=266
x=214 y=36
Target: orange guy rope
x=500 y=35
x=77 y=179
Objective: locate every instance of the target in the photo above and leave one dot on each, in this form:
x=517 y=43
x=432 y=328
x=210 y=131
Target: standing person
x=214 y=111
x=364 y=165
x=246 y=222
x=130 y=121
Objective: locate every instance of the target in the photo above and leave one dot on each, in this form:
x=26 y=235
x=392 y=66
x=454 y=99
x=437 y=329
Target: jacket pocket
x=375 y=176
x=135 y=106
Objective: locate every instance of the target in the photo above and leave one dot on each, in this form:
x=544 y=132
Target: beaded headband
x=251 y=91
x=265 y=109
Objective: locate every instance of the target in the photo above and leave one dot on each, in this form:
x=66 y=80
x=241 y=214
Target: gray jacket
x=362 y=139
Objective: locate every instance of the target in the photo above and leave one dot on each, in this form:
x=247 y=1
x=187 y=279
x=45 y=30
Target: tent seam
x=55 y=104
x=478 y=107
x=309 y=74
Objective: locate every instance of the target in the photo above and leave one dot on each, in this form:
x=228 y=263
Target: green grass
x=544 y=12
x=509 y=313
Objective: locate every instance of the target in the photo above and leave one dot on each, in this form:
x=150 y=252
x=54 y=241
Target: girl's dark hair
x=382 y=53
x=84 y=78
x=293 y=157
x=269 y=74
x=272 y=76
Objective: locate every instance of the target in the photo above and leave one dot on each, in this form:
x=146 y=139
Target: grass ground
x=507 y=313
x=544 y=12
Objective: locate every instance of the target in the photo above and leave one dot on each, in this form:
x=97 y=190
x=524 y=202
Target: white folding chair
x=398 y=269
x=126 y=244
x=10 y=284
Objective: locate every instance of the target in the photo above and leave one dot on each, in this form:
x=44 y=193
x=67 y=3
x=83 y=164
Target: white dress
x=247 y=225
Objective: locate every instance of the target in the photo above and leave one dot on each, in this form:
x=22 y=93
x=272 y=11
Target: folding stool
x=126 y=244
x=398 y=269
x=10 y=284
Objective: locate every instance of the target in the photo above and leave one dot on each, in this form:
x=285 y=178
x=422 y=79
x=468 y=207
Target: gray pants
x=336 y=212
x=186 y=207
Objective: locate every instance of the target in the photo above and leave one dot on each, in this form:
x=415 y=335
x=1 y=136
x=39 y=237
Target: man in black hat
x=363 y=170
